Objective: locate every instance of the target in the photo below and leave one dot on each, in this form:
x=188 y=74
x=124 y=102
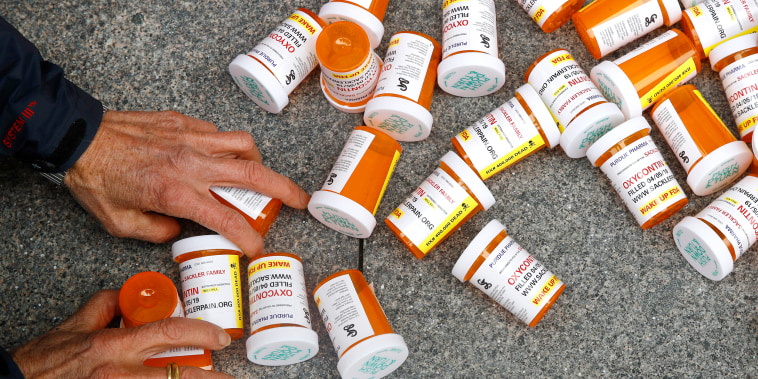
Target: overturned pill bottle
x=582 y=112
x=515 y=130
x=715 y=238
x=350 y=196
x=209 y=268
x=707 y=150
x=279 y=63
x=151 y=296
x=365 y=343
x=349 y=67
x=715 y=21
x=259 y=210
x=280 y=320
x=451 y=195
x=736 y=61
x=635 y=81
x=550 y=15
x=368 y=14
x=470 y=65
x=607 y=25
x=635 y=167
x=690 y=3
x=403 y=95
x=508 y=274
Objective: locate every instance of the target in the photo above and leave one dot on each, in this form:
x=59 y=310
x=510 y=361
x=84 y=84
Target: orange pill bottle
x=280 y=322
x=607 y=25
x=259 y=210
x=365 y=343
x=635 y=81
x=151 y=296
x=707 y=150
x=350 y=196
x=502 y=269
x=715 y=21
x=451 y=195
x=550 y=14
x=349 y=67
x=368 y=14
x=403 y=95
x=209 y=267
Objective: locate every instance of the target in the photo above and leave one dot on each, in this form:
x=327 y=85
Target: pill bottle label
x=642 y=179
x=179 y=352
x=564 y=86
x=469 y=25
x=677 y=135
x=354 y=150
x=718 y=21
x=627 y=27
x=405 y=66
x=277 y=292
x=740 y=80
x=289 y=51
x=212 y=291
x=343 y=314
x=540 y=10
x=680 y=75
x=516 y=280
x=437 y=206
x=735 y=215
x=500 y=139
x=249 y=202
x=646 y=46
x=354 y=86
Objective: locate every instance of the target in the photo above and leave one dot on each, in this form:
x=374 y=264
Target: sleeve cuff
x=8 y=368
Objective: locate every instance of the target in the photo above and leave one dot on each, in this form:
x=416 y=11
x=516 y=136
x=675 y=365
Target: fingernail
x=224 y=339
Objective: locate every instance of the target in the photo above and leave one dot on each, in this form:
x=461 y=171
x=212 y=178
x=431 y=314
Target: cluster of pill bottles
x=713 y=22
x=550 y=15
x=368 y=14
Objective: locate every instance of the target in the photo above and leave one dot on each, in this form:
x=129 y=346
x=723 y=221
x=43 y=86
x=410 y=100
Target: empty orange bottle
x=550 y=14
x=368 y=14
x=259 y=210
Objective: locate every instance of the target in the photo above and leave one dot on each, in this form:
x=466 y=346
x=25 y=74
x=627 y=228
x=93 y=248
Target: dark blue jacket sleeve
x=8 y=368
x=45 y=120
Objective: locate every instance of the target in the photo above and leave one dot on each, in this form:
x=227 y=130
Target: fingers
x=166 y=119
x=237 y=144
x=157 y=337
x=229 y=223
x=185 y=372
x=257 y=177
x=94 y=315
x=146 y=226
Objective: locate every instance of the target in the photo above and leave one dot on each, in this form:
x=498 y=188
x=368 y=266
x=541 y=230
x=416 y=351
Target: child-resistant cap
x=541 y=113
x=390 y=349
x=615 y=135
x=733 y=153
x=471 y=74
x=209 y=242
x=732 y=46
x=475 y=248
x=588 y=127
x=401 y=119
x=703 y=249
x=617 y=88
x=343 y=11
x=469 y=177
x=264 y=347
x=258 y=83
x=342 y=214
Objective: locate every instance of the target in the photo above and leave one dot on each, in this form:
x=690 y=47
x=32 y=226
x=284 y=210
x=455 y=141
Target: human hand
x=81 y=347
x=143 y=167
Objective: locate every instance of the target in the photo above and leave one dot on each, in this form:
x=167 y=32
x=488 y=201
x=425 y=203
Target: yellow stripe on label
x=558 y=59
x=448 y=3
x=512 y=157
x=669 y=82
x=387 y=180
x=729 y=199
x=538 y=14
x=265 y=265
x=708 y=49
x=545 y=290
x=234 y=266
x=747 y=124
x=306 y=25
x=455 y=218
x=558 y=123
x=697 y=11
x=397 y=213
x=658 y=201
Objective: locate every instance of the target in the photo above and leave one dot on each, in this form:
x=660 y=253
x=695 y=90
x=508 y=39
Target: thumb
x=157 y=337
x=94 y=315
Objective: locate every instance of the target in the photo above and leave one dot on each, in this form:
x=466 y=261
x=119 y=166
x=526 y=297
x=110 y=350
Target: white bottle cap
x=588 y=127
x=250 y=75
x=674 y=10
x=332 y=12
x=754 y=143
x=542 y=114
x=490 y=72
x=340 y=107
x=389 y=350
x=734 y=152
x=617 y=88
x=402 y=119
x=198 y=243
x=475 y=248
x=703 y=248
x=470 y=178
x=301 y=344
x=341 y=214
x=615 y=135
x=732 y=46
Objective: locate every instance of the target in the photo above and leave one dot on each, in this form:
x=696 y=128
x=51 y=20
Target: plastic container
x=515 y=130
x=403 y=96
x=714 y=21
x=722 y=232
x=451 y=195
x=607 y=25
x=279 y=63
x=259 y=210
x=570 y=94
x=151 y=296
x=365 y=343
x=368 y=14
x=736 y=61
x=550 y=15
x=636 y=80
x=209 y=267
x=707 y=150
x=349 y=68
x=632 y=162
x=502 y=269
x=470 y=66
x=690 y=3
x=350 y=196
x=280 y=320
